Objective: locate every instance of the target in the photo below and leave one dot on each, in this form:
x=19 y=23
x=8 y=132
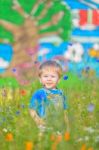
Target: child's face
x=49 y=79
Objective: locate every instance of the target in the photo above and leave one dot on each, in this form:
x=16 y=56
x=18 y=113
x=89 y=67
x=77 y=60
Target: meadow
x=19 y=132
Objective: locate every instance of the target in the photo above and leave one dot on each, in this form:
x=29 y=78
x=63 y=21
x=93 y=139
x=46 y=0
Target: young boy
x=48 y=105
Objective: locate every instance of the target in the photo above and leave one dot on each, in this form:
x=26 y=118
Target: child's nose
x=49 y=78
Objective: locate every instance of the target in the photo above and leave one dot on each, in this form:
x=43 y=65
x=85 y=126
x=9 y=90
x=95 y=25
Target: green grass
x=15 y=118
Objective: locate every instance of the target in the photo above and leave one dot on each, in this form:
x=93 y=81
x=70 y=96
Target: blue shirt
x=43 y=98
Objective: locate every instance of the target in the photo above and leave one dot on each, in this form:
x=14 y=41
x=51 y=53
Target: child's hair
x=50 y=65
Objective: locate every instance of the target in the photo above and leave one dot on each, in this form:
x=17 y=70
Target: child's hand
x=41 y=125
x=39 y=121
x=42 y=128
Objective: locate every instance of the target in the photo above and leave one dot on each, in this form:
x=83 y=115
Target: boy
x=48 y=104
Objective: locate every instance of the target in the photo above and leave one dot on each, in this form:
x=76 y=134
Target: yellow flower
x=92 y=53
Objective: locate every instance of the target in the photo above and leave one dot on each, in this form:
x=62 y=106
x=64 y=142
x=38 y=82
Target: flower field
x=19 y=132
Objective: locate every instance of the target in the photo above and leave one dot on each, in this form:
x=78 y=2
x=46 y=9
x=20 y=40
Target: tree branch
x=35 y=7
x=44 y=11
x=53 y=33
x=9 y=26
x=19 y=9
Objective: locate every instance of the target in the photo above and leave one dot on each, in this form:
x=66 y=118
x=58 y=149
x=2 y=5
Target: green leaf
x=6 y=3
x=11 y=15
x=39 y=10
x=27 y=5
x=4 y=34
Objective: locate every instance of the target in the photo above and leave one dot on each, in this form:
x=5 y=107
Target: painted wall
x=67 y=31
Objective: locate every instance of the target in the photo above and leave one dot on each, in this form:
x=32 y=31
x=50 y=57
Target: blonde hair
x=50 y=65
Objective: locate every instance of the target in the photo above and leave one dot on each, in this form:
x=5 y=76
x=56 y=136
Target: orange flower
x=52 y=137
x=83 y=147
x=90 y=148
x=29 y=145
x=23 y=92
x=59 y=138
x=67 y=136
x=9 y=137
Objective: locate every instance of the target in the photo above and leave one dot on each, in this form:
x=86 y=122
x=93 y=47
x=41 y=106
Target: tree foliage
x=24 y=22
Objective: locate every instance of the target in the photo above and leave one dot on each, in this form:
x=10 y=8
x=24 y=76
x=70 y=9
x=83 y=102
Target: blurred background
x=64 y=30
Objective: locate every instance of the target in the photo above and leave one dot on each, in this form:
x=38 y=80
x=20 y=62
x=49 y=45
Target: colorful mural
x=32 y=31
x=82 y=50
x=67 y=32
x=23 y=27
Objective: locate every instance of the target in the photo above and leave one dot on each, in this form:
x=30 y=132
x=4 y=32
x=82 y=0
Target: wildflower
x=23 y=92
x=80 y=139
x=29 y=145
x=83 y=147
x=9 y=137
x=90 y=107
x=86 y=138
x=52 y=137
x=65 y=77
x=22 y=106
x=67 y=136
x=5 y=130
x=89 y=129
x=59 y=138
x=18 y=112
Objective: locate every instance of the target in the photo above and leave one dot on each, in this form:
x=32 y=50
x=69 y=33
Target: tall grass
x=83 y=112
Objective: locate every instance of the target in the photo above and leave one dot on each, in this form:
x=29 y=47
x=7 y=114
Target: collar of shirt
x=52 y=91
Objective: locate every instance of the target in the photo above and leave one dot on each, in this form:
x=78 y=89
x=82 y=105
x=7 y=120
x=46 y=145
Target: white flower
x=89 y=129
x=74 y=52
x=86 y=138
x=5 y=130
x=80 y=139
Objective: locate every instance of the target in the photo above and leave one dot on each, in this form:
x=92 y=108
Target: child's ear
x=40 y=79
x=59 y=80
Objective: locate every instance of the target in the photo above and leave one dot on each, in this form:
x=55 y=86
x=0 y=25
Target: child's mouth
x=49 y=83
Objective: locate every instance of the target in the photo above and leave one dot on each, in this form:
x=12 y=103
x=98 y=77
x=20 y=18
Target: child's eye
x=45 y=76
x=53 y=76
